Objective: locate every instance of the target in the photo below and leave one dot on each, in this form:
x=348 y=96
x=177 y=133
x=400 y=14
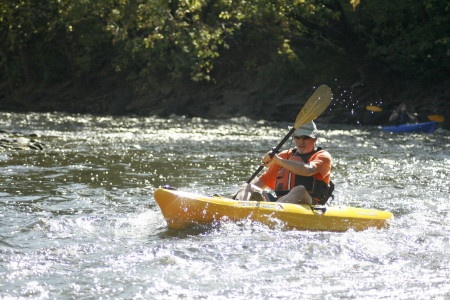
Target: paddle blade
x=374 y=108
x=315 y=105
x=436 y=118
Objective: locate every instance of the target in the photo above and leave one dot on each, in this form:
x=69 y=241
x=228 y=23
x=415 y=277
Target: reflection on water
x=79 y=219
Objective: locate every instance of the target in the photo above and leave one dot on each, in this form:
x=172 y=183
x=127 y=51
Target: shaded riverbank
x=235 y=95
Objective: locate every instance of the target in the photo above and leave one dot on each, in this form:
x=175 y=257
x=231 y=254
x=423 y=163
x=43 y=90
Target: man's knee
x=300 y=193
x=299 y=189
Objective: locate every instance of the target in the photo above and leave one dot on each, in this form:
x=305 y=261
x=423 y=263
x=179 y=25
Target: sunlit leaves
x=49 y=39
x=354 y=3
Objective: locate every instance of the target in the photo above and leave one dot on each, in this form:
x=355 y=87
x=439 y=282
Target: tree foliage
x=410 y=36
x=47 y=41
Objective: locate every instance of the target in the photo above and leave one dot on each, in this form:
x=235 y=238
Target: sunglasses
x=303 y=137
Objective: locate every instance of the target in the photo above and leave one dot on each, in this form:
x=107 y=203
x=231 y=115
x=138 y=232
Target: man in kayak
x=402 y=116
x=300 y=175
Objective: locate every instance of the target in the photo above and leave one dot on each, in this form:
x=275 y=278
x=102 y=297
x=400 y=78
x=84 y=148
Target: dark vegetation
x=223 y=58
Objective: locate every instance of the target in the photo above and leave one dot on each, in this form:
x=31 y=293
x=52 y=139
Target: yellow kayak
x=181 y=209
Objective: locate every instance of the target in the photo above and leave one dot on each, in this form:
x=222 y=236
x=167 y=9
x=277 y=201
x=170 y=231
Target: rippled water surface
x=78 y=220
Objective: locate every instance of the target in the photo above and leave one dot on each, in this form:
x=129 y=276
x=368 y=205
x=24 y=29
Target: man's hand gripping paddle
x=313 y=108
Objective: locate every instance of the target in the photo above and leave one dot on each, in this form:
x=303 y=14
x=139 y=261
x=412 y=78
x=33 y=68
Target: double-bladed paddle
x=435 y=118
x=313 y=108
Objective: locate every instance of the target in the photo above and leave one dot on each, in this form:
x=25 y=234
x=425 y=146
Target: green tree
x=45 y=42
x=412 y=37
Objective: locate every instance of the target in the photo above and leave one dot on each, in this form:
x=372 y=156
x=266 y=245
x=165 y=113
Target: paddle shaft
x=272 y=153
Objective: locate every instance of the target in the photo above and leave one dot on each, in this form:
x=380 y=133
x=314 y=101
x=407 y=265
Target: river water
x=78 y=219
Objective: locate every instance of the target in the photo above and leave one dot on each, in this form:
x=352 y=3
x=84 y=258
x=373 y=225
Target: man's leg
x=298 y=195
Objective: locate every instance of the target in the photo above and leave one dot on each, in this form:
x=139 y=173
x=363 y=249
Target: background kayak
x=426 y=127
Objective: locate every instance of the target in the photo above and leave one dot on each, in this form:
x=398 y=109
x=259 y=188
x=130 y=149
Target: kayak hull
x=182 y=209
x=425 y=127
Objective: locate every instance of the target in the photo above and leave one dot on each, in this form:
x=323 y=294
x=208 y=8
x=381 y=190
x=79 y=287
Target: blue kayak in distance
x=425 y=127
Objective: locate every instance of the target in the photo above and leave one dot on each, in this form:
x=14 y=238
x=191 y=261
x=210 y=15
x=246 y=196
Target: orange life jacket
x=319 y=190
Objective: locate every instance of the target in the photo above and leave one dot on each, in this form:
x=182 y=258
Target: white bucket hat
x=308 y=129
